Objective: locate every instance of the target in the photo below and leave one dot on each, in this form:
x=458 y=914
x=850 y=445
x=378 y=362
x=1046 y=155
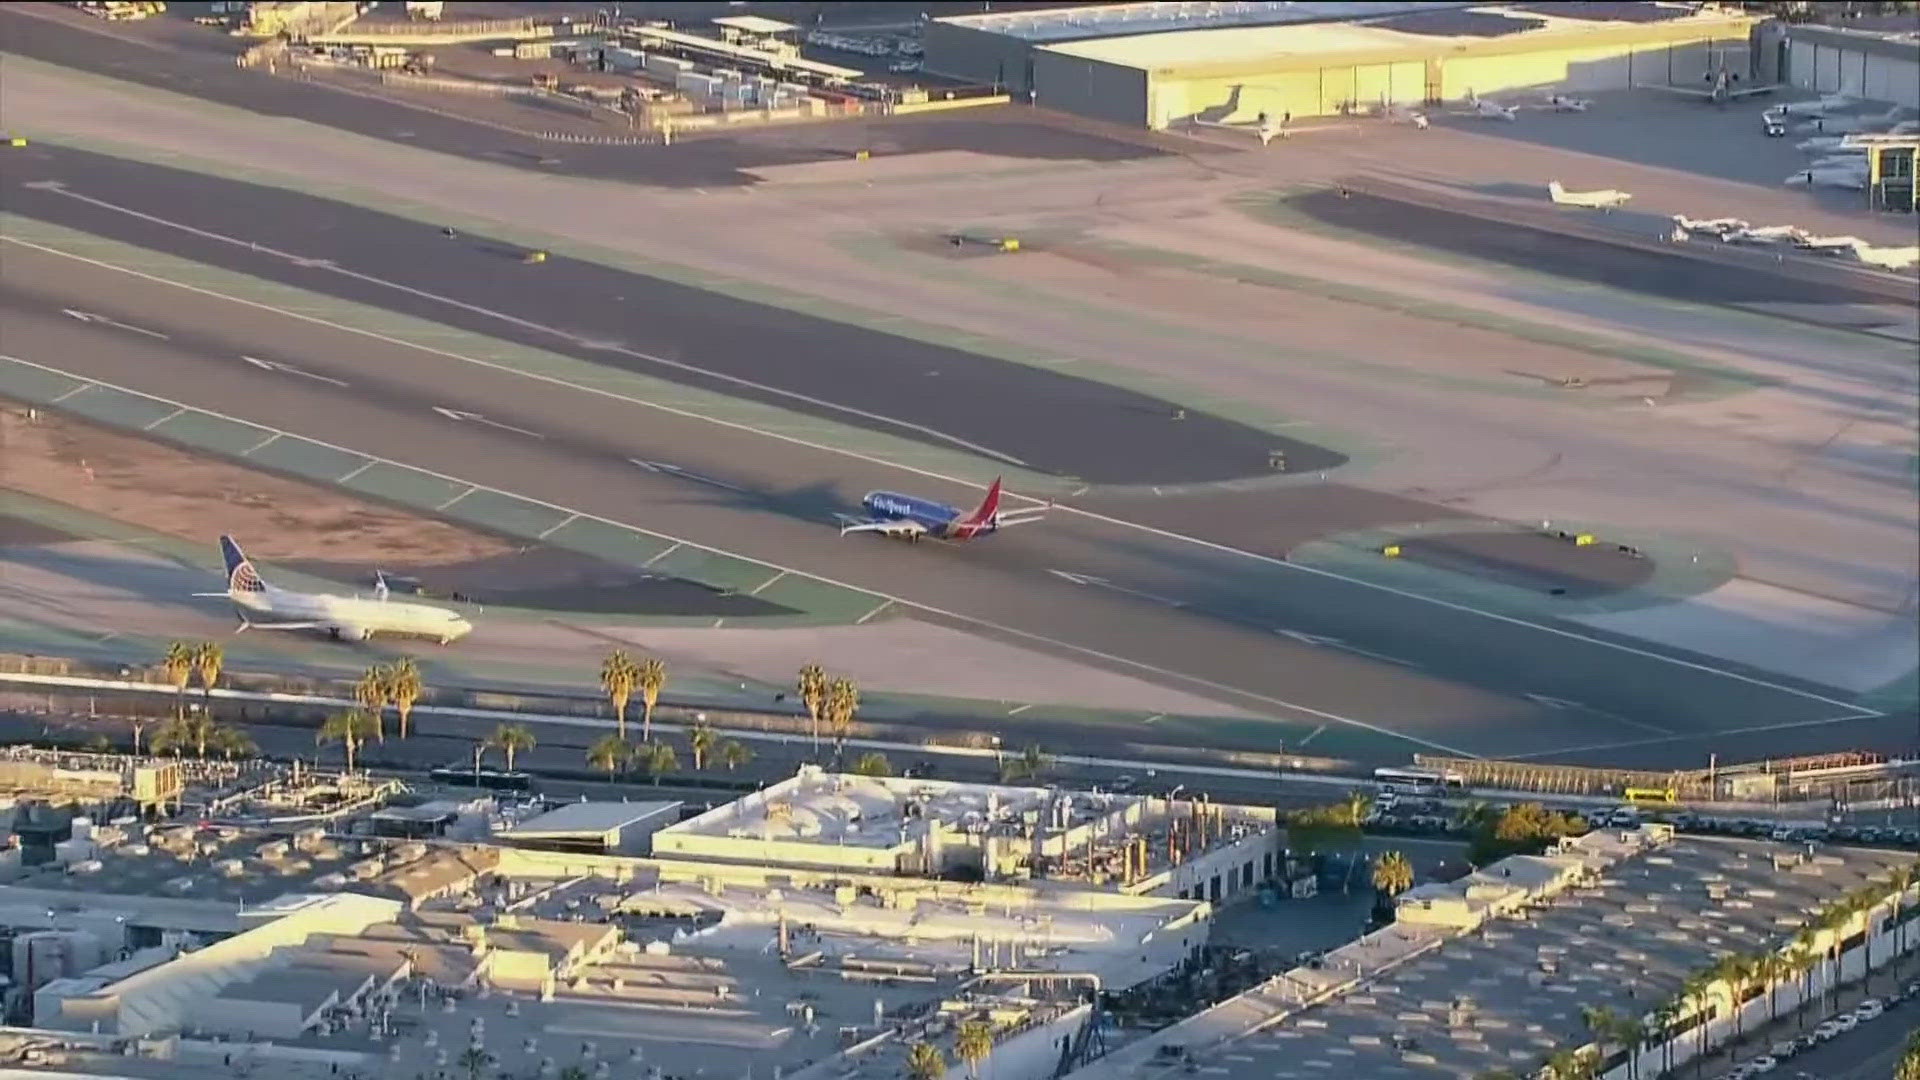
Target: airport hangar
x=1156 y=64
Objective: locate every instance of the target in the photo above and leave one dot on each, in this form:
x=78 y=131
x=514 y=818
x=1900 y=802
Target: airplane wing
x=1022 y=517
x=886 y=526
x=249 y=624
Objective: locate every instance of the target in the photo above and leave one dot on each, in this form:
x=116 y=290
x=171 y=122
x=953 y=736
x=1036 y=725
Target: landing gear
x=334 y=632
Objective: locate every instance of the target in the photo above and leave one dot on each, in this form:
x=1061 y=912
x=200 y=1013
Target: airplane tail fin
x=241 y=576
x=1554 y=189
x=988 y=506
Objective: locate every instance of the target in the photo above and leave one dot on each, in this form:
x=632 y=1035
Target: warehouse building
x=1158 y=64
x=1879 y=65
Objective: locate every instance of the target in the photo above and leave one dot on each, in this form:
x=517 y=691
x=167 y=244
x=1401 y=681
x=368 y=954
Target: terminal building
x=1157 y=64
x=1139 y=845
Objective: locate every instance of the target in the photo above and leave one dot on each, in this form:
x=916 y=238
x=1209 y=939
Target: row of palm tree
x=620 y=676
x=972 y=1043
x=830 y=699
x=1735 y=978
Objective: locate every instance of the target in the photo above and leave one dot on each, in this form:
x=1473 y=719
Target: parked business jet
x=348 y=618
x=1725 y=228
x=1563 y=103
x=1722 y=88
x=910 y=518
x=1264 y=127
x=1482 y=109
x=1889 y=258
x=1604 y=199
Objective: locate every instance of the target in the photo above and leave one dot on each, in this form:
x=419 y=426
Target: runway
x=1026 y=416
x=1322 y=652
x=202 y=70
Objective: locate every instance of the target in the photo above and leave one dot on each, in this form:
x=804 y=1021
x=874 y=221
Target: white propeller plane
x=1604 y=199
x=1482 y=109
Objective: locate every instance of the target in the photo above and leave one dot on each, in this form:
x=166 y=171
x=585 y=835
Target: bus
x=485 y=779
x=1419 y=781
x=1645 y=796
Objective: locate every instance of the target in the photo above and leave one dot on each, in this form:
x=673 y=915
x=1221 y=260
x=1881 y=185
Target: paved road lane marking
x=1225 y=549
x=966 y=620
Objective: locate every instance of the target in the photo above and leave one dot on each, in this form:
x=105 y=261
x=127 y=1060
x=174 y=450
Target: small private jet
x=1725 y=228
x=1564 y=104
x=1722 y=87
x=346 y=618
x=1604 y=199
x=910 y=518
x=1481 y=109
x=1394 y=112
x=1888 y=258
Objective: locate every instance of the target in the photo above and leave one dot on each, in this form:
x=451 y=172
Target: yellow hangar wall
x=1307 y=85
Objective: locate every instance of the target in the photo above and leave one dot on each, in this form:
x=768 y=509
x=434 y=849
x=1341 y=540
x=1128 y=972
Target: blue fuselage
x=936 y=518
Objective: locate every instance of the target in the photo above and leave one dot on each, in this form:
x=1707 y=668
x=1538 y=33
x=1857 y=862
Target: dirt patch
x=183 y=495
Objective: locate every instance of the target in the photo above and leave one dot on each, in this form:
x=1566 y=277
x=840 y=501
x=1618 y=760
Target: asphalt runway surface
x=1543 y=564
x=1568 y=255
x=1037 y=418
x=699 y=161
x=1304 y=647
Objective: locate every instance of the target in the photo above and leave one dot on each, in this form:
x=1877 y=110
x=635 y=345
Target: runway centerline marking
x=1090 y=515
x=59 y=188
x=969 y=620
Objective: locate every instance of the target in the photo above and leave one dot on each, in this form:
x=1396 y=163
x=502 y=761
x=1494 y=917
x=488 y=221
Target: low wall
x=953 y=103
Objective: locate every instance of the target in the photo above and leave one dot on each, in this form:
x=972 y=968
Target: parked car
x=1763 y=1064
x=1869 y=1009
x=1785 y=1048
x=1828 y=1029
x=1846 y=1021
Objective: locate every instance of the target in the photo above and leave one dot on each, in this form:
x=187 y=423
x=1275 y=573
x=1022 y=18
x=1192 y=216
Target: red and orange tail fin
x=988 y=506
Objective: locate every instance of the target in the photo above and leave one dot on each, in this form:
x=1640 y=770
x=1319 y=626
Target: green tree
x=925 y=1062
x=1631 y=1032
x=658 y=759
x=404 y=687
x=651 y=678
x=1392 y=874
x=188 y=731
x=208 y=659
x=734 y=753
x=513 y=740
x=873 y=764
x=1324 y=827
x=1735 y=972
x=618 y=676
x=843 y=701
x=813 y=694
x=1570 y=1065
x=1030 y=765
x=350 y=729
x=1664 y=1016
x=178 y=666
x=1909 y=1068
x=973 y=1043
x=611 y=754
x=231 y=743
x=1524 y=828
x=370 y=693
x=1603 y=1024
x=701 y=740
x=475 y=1061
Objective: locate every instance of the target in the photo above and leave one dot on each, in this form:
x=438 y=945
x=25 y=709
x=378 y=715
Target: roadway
x=1022 y=414
x=1152 y=602
x=187 y=60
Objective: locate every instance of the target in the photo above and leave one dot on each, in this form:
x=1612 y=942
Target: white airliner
x=348 y=618
x=1604 y=199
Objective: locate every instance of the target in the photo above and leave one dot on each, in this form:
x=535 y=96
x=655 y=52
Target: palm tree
x=1804 y=955
x=350 y=729
x=843 y=701
x=1736 y=972
x=1909 y=1068
x=1697 y=991
x=618 y=676
x=1900 y=879
x=925 y=1062
x=370 y=693
x=813 y=694
x=973 y=1043
x=404 y=687
x=1392 y=874
x=1631 y=1032
x=659 y=758
x=233 y=743
x=1864 y=900
x=1602 y=1023
x=1771 y=969
x=651 y=677
x=611 y=753
x=475 y=1060
x=1570 y=1065
x=734 y=753
x=1358 y=805
x=513 y=740
x=179 y=734
x=873 y=764
x=1031 y=763
x=178 y=666
x=208 y=658
x=701 y=741
x=1663 y=1016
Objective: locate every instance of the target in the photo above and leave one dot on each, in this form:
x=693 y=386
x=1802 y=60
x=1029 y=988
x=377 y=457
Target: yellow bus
x=1641 y=796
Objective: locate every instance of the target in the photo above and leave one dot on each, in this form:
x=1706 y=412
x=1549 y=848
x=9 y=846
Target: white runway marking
x=1225 y=549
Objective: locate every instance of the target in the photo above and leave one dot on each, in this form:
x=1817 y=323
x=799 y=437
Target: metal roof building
x=1161 y=64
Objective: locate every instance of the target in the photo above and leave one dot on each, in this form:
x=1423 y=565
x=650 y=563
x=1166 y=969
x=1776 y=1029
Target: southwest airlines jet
x=910 y=518
x=350 y=618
